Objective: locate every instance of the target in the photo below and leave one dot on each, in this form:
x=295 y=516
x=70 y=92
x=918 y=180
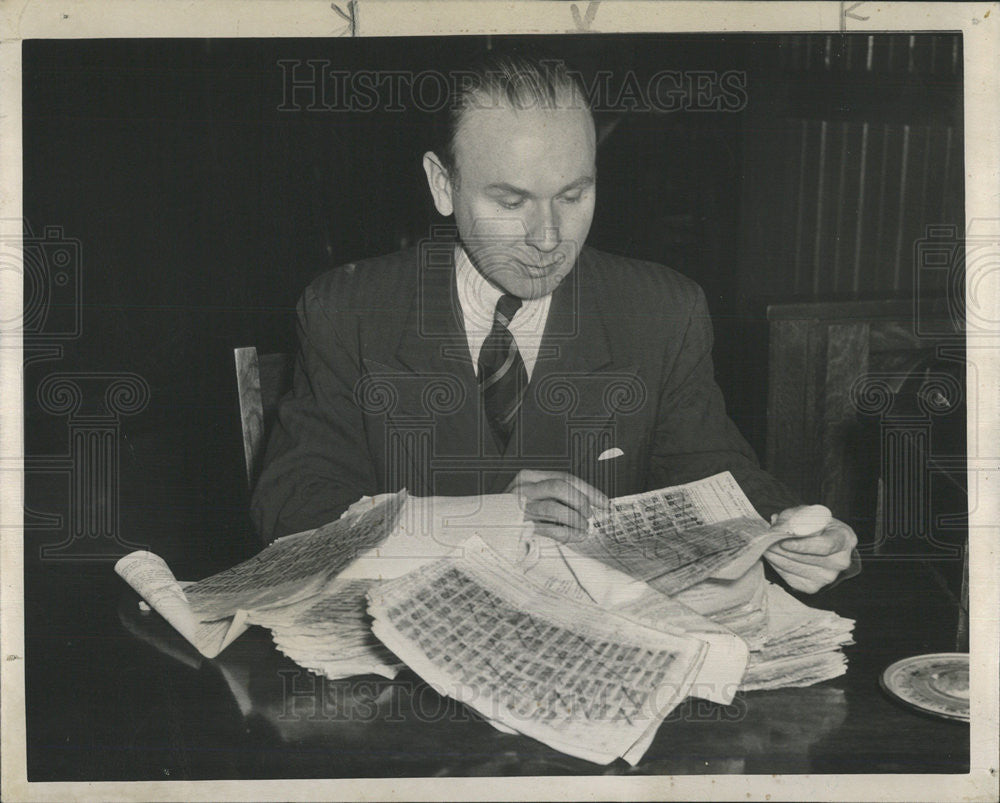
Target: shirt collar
x=478 y=299
x=477 y=296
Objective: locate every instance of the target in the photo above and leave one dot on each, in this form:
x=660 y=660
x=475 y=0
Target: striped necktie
x=502 y=375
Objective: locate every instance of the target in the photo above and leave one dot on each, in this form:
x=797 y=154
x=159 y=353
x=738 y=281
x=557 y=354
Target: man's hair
x=517 y=79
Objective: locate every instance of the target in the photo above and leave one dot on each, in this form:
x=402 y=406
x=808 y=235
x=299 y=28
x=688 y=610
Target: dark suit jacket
x=385 y=393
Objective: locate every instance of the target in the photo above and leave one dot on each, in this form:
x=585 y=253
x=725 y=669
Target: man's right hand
x=557 y=502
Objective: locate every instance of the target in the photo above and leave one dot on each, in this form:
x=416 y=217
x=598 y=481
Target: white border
x=294 y=18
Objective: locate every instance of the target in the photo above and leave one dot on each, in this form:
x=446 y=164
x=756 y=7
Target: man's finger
x=554 y=512
x=818 y=545
x=802 y=576
x=528 y=481
x=528 y=476
x=804 y=584
x=563 y=535
x=597 y=498
x=835 y=538
x=561 y=491
x=838 y=560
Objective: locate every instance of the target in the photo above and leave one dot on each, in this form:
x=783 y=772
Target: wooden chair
x=261 y=381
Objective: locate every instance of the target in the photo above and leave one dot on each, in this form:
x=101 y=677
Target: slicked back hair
x=514 y=80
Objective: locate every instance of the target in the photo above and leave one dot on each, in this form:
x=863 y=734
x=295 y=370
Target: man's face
x=524 y=195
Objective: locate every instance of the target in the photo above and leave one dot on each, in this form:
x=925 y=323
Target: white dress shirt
x=479 y=300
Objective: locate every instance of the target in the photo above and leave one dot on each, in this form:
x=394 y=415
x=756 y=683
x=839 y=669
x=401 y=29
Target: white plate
x=936 y=683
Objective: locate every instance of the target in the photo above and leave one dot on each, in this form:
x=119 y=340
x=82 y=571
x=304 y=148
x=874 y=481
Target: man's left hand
x=810 y=562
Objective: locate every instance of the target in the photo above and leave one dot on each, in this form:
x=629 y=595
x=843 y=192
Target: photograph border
x=978 y=23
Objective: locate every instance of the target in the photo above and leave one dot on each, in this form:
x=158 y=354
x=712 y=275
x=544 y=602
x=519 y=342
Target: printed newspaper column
x=583 y=680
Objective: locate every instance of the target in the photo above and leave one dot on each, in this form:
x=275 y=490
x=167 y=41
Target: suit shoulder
x=377 y=282
x=640 y=282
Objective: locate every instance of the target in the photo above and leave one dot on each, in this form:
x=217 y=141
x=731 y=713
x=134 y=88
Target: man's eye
x=572 y=199
x=511 y=203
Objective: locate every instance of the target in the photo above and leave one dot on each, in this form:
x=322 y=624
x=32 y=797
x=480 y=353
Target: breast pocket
x=603 y=417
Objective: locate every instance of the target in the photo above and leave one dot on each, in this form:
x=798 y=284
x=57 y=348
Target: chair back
x=261 y=381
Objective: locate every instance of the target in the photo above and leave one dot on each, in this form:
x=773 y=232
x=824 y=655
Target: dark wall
x=204 y=198
x=203 y=207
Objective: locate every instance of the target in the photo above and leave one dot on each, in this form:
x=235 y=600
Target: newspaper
x=211 y=613
x=727 y=656
x=738 y=605
x=791 y=644
x=298 y=566
x=330 y=634
x=559 y=569
x=150 y=576
x=309 y=588
x=676 y=537
x=585 y=646
x=803 y=644
x=701 y=545
x=431 y=527
x=586 y=681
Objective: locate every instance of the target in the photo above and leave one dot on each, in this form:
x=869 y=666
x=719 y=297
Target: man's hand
x=810 y=562
x=557 y=502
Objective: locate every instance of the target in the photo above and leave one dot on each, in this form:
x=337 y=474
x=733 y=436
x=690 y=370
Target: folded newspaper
x=586 y=647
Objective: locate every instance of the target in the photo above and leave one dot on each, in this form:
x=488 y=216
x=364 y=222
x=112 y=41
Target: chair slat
x=251 y=407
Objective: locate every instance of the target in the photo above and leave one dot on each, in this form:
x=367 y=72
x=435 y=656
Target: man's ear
x=439 y=183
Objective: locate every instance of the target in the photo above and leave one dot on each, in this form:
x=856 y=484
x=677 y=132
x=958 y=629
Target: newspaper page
x=675 y=537
x=331 y=633
x=803 y=645
x=298 y=566
x=727 y=656
x=211 y=613
x=585 y=681
x=152 y=579
x=791 y=644
x=431 y=527
x=738 y=605
x=588 y=580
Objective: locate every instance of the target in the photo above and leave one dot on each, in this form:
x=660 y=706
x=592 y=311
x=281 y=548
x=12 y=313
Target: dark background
x=202 y=210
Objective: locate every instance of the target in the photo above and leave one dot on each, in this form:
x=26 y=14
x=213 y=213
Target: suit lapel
x=565 y=413
x=574 y=348
x=434 y=348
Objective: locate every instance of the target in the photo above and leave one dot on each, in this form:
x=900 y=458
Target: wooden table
x=113 y=694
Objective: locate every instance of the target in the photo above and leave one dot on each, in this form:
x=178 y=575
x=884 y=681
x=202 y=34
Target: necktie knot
x=507 y=306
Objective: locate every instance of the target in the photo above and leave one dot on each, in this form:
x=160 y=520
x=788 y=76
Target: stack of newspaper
x=701 y=543
x=282 y=585
x=330 y=634
x=587 y=647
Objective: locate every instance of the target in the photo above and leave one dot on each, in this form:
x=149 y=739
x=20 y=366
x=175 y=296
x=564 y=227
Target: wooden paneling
x=852 y=148
x=930 y=54
x=847 y=358
x=853 y=199
x=830 y=440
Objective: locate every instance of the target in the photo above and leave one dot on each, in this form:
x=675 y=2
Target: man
x=512 y=359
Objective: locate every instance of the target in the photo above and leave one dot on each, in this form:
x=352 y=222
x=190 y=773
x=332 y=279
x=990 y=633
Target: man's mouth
x=541 y=269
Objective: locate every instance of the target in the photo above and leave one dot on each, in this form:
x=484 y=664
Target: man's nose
x=543 y=229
